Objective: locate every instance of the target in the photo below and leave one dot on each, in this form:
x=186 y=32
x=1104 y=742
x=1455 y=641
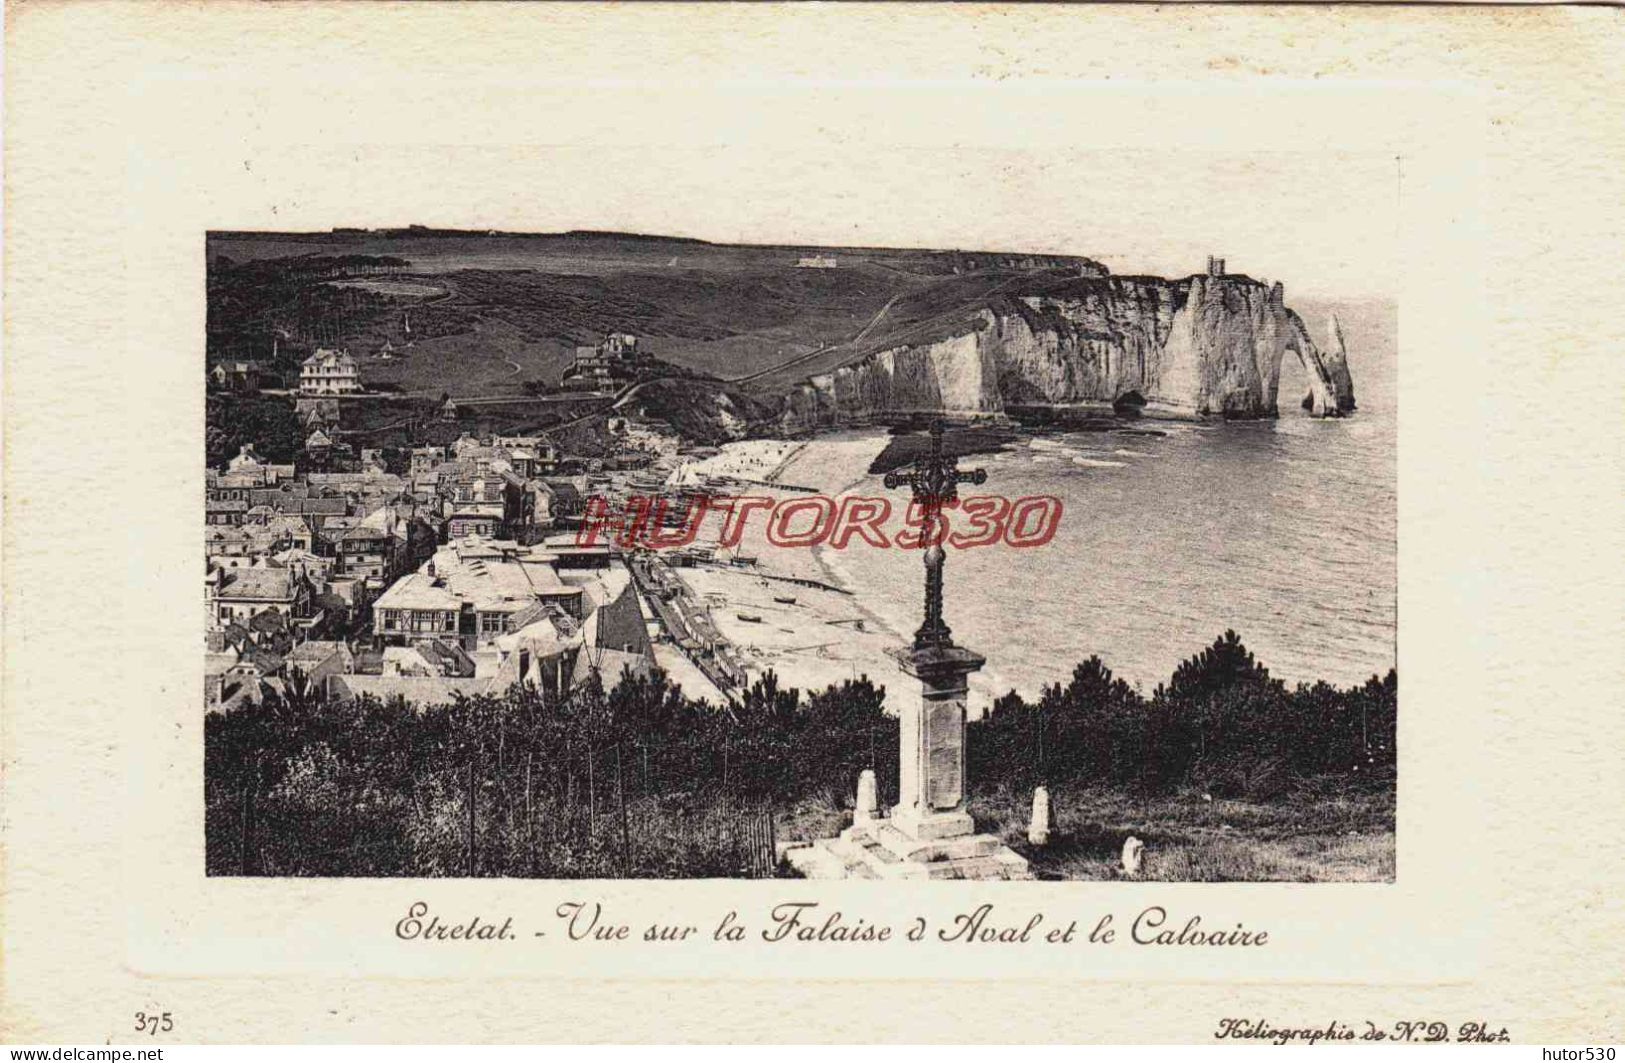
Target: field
x=477 y=315
x=1307 y=837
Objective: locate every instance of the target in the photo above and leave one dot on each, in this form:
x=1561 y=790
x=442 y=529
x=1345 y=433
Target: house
x=423 y=459
x=356 y=486
x=246 y=458
x=292 y=503
x=592 y=366
x=318 y=447
x=228 y=512
x=506 y=614
x=318 y=570
x=417 y=606
x=317 y=659
x=329 y=373
x=466 y=447
x=236 y=595
x=238 y=483
x=228 y=546
x=364 y=552
x=239 y=377
x=215 y=666
x=428 y=657
x=528 y=456
x=414 y=537
x=564 y=498
x=472 y=591
x=620 y=346
x=291 y=530
x=223 y=544
x=482 y=499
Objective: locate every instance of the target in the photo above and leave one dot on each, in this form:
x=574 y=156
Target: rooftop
x=417 y=690
x=257 y=584
x=330 y=359
x=418 y=591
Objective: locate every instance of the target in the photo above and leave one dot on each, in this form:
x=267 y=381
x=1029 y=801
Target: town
x=433 y=571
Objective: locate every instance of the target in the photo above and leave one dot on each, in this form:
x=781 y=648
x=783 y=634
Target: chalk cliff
x=1202 y=346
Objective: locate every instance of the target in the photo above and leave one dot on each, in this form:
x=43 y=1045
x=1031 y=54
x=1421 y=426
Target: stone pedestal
x=929 y=833
x=931 y=747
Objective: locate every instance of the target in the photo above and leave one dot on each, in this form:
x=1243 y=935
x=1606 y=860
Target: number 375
x=153 y=1025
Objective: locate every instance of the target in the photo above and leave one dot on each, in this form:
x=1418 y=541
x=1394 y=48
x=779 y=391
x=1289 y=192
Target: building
x=300 y=559
x=329 y=373
x=318 y=659
x=528 y=456
x=597 y=366
x=225 y=512
x=474 y=590
x=226 y=546
x=318 y=449
x=620 y=347
x=590 y=367
x=417 y=690
x=238 y=595
x=480 y=498
x=364 y=552
x=417 y=606
x=428 y=657
x=816 y=262
x=425 y=459
x=1215 y=266
x=240 y=377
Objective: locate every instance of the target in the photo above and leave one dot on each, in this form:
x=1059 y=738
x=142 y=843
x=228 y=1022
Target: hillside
x=881 y=332
x=465 y=308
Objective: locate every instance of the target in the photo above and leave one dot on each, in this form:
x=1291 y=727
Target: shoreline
x=793 y=612
x=1139 y=626
x=835 y=576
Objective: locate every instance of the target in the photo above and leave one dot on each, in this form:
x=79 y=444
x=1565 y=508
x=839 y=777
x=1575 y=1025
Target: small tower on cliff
x=1215 y=266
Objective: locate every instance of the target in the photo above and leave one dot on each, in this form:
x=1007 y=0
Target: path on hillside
x=627 y=394
x=810 y=355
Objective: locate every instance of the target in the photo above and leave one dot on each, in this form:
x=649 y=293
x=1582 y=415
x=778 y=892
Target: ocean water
x=1283 y=530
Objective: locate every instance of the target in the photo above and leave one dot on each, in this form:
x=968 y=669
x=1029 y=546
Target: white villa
x=329 y=373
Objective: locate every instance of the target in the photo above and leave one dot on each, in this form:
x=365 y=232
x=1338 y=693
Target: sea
x=1283 y=530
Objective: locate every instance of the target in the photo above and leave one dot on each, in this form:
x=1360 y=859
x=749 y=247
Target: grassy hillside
x=474 y=314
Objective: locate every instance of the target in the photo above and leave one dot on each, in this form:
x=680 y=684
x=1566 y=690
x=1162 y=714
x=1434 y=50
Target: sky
x=1150 y=188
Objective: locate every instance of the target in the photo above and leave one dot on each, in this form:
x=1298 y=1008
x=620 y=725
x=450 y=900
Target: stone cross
x=930 y=833
x=931 y=777
x=935 y=482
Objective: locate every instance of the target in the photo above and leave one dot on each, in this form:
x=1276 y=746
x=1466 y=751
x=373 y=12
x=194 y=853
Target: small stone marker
x=868 y=803
x=1038 y=829
x=1131 y=857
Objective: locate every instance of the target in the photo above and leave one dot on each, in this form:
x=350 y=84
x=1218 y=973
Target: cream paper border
x=133 y=129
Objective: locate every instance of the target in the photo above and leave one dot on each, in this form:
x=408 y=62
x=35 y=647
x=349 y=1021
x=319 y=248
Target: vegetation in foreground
x=1224 y=772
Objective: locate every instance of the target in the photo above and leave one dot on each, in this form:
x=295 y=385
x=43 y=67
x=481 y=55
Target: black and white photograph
x=817 y=523
x=613 y=553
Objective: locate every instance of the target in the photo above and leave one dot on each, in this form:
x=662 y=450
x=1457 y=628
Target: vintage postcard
x=1106 y=518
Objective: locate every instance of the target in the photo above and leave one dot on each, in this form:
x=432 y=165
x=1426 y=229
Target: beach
x=790 y=612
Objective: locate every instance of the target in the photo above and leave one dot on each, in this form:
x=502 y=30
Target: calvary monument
x=929 y=833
